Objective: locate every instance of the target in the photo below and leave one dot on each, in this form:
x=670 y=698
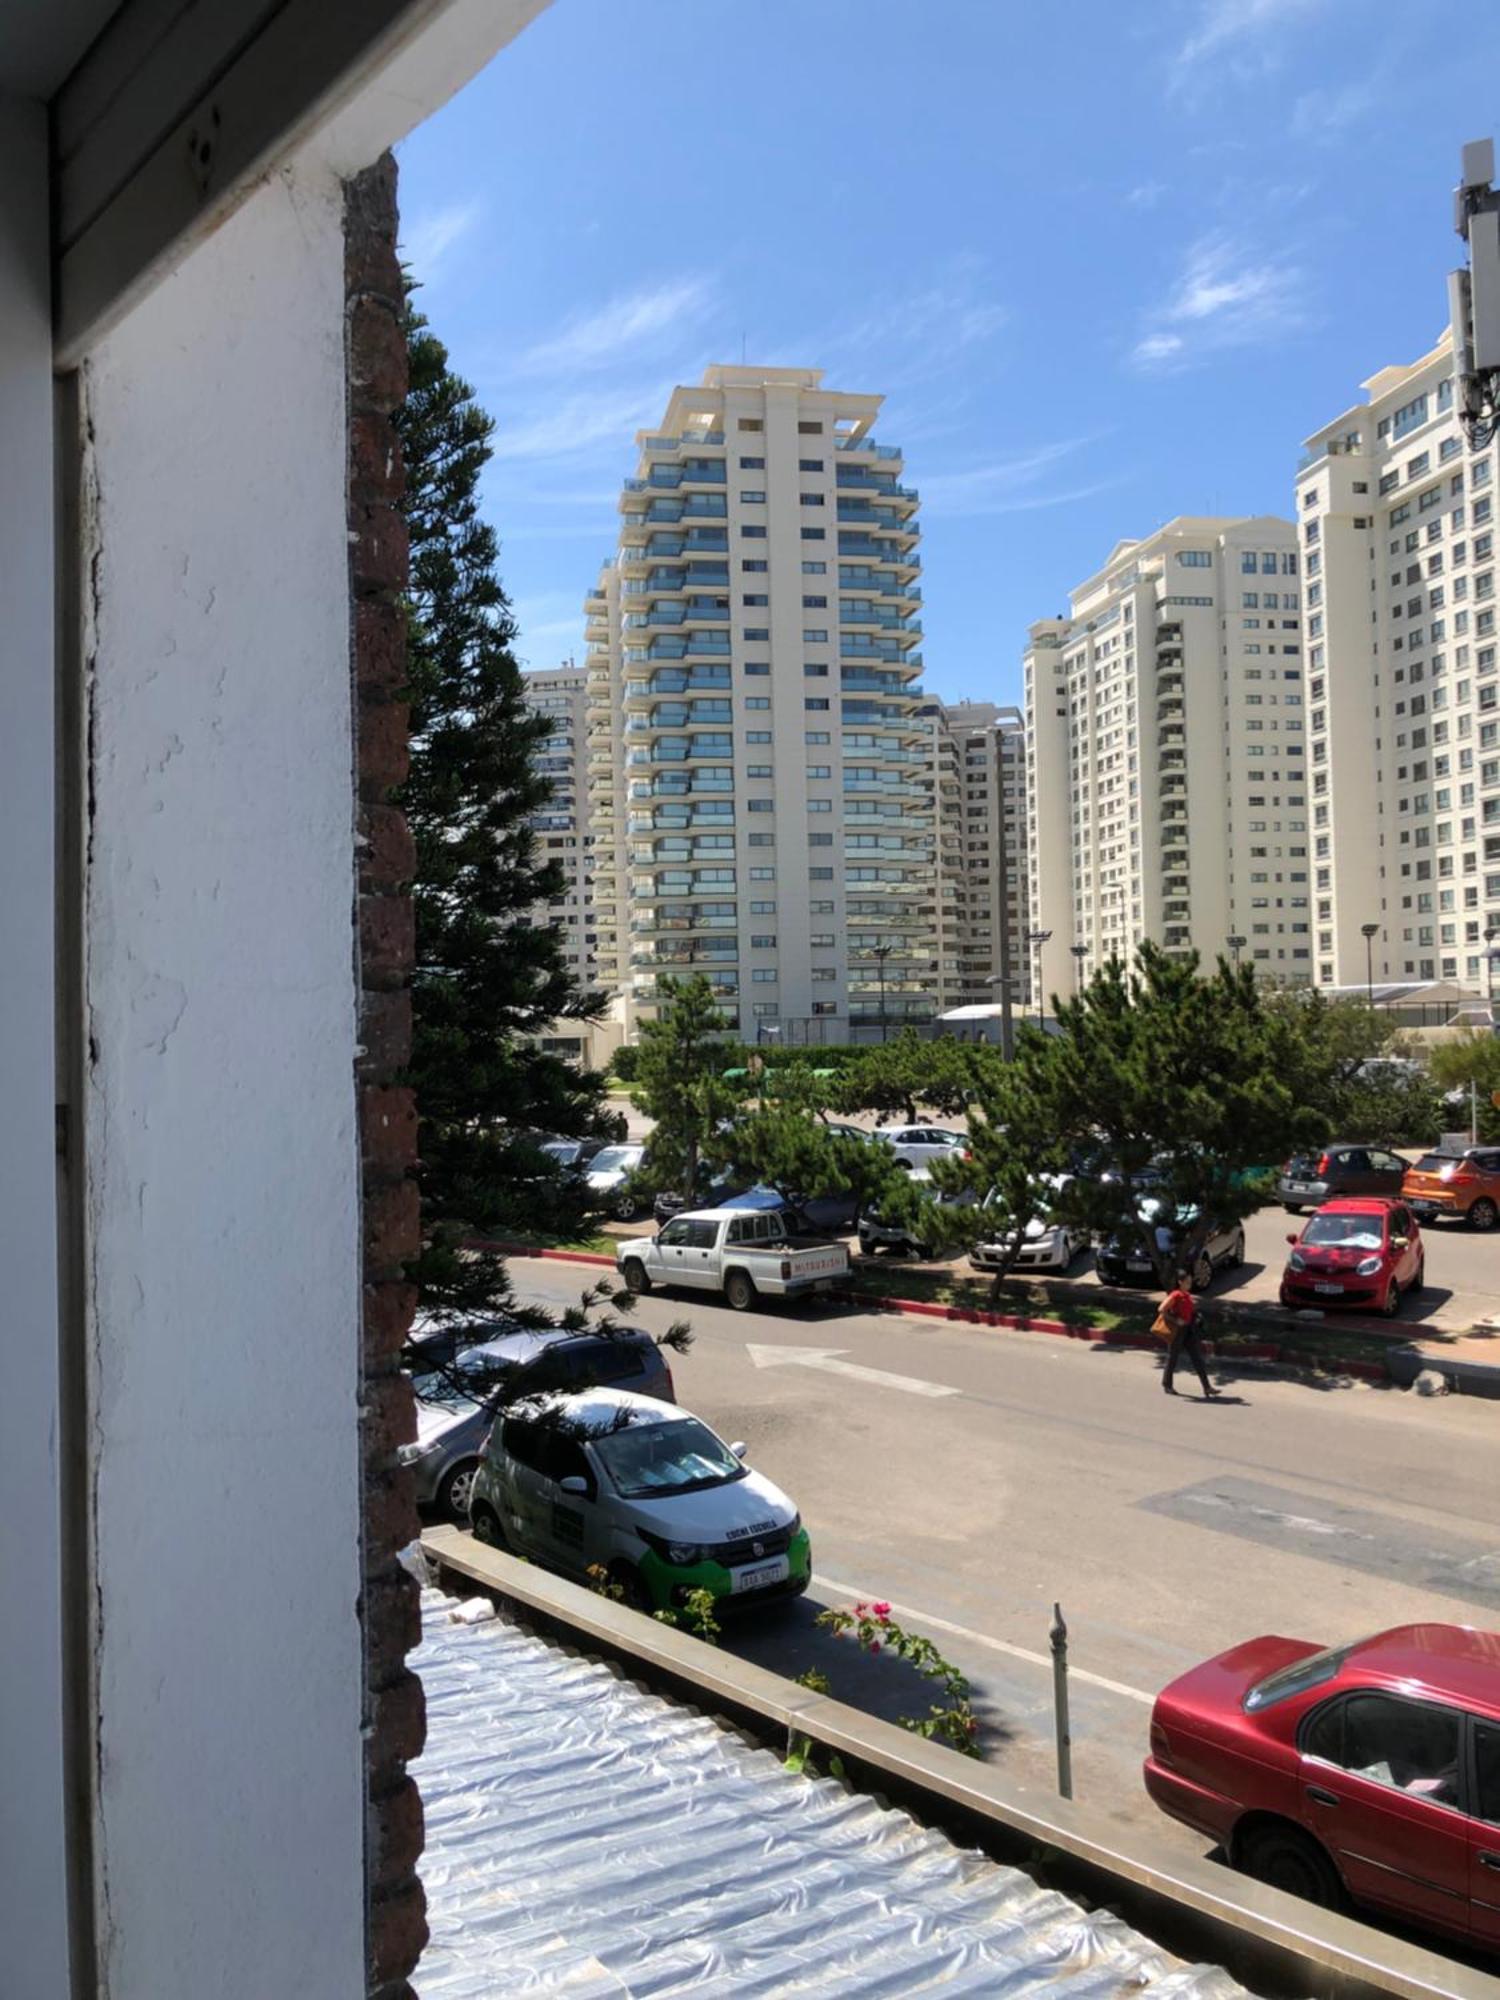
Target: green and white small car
x=642 y=1490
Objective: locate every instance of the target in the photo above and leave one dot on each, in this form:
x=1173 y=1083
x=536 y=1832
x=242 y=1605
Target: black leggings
x=1185 y=1341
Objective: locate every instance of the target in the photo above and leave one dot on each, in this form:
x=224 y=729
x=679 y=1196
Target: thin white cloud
x=1008 y=485
x=569 y=426
x=1231 y=28
x=1223 y=298
x=1146 y=194
x=632 y=320
x=1325 y=115
x=429 y=235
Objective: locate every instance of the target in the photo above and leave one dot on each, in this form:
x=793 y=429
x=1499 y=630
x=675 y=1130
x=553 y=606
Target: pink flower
x=874 y=1645
x=881 y=1611
x=859 y=1610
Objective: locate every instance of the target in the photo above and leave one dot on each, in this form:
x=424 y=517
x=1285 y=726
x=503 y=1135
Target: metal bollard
x=1059 y=1638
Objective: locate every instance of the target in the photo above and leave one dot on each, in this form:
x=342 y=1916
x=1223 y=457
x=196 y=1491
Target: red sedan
x=1360 y=1250
x=1370 y=1771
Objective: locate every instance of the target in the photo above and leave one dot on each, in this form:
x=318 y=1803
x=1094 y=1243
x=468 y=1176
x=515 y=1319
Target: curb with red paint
x=1274 y=1352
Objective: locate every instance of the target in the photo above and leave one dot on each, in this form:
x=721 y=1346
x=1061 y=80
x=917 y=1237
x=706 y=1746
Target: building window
x=815 y=702
x=815 y=569
x=1195 y=558
x=752 y=496
x=809 y=465
x=752 y=465
x=816 y=636
x=754 y=565
x=751 y=424
x=815 y=736
x=753 y=534
x=812 y=499
x=807 y=427
x=814 y=534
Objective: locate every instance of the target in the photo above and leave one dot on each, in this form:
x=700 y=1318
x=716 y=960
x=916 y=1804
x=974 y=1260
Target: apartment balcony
x=867 y=448
x=691 y=645
x=853 y=544
x=668 y=617
x=669 y=922
x=858 y=576
x=884 y=617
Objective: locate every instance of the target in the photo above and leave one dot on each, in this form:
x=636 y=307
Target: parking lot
x=1463 y=1266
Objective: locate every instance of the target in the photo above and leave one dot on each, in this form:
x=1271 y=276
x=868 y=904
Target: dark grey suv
x=457 y=1397
x=1309 y=1179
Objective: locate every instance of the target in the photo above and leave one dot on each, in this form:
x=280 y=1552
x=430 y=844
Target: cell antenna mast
x=1474 y=296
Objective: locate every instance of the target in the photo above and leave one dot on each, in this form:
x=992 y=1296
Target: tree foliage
x=786 y=1142
x=680 y=1065
x=488 y=976
x=899 y=1077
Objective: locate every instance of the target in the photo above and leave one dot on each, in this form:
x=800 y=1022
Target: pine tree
x=680 y=1064
x=488 y=976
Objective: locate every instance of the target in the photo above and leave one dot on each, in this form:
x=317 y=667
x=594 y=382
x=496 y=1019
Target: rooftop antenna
x=742 y=349
x=1474 y=296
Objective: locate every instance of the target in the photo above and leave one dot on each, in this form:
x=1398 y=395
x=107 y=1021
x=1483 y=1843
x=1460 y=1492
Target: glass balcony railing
x=870 y=446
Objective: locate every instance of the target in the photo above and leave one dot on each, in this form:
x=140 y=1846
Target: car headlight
x=685 y=1553
x=1367 y=1267
x=1296 y=1262
x=408 y=1454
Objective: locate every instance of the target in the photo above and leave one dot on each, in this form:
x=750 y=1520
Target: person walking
x=1177 y=1323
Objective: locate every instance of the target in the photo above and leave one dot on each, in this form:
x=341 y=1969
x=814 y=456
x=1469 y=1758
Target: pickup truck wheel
x=1286 y=1858
x=739 y=1291
x=633 y=1271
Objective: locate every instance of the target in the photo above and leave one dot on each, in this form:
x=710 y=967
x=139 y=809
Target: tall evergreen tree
x=488 y=976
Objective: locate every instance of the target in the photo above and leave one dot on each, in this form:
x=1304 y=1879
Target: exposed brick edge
x=1260 y=1350
x=393 y=1711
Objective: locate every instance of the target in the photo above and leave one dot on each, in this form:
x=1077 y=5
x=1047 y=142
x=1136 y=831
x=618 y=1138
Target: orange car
x=1462 y=1186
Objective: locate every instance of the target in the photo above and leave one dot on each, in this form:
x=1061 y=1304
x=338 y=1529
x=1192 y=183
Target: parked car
x=801 y=1214
x=1357 y=1251
x=1123 y=1260
x=1459 y=1186
x=458 y=1397
x=613 y=1481
x=1309 y=1179
x=1370 y=1770
x=713 y=1189
x=574 y=1153
x=908 y=1239
x=609 y=1180
x=1046 y=1244
x=920 y=1145
x=745 y=1253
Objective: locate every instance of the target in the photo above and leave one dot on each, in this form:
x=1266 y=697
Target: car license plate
x=1296 y=1187
x=760 y=1574
x=1328 y=1288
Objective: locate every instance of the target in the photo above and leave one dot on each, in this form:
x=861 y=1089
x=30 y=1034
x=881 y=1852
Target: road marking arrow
x=830 y=1361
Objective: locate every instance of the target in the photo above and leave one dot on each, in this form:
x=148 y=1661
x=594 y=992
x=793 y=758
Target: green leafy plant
x=874 y=1630
x=698 y=1616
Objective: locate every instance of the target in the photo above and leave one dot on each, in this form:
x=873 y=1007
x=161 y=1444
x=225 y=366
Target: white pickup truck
x=742 y=1252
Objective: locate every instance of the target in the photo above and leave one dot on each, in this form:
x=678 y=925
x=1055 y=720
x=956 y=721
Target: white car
x=1047 y=1245
x=920 y=1145
x=646 y=1492
x=606 y=1177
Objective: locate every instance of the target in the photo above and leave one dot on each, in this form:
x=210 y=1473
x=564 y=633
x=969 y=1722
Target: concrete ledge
x=1274 y=1943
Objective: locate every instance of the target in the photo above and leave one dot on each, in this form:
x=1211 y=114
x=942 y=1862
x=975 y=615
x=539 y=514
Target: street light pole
x=1491 y=939
x=1080 y=953
x=1367 y=932
x=1236 y=945
x=882 y=953
x=1034 y=941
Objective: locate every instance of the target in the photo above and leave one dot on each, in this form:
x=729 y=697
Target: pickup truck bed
x=742 y=1253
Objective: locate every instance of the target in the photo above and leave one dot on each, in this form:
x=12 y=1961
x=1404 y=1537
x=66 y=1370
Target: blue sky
x=1108 y=260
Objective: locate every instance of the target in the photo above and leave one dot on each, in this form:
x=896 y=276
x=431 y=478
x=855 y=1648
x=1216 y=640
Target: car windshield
x=564 y=1150
x=1298 y=1677
x=1435 y=1163
x=652 y=1459
x=612 y=1159
x=1351 y=1232
x=469 y=1379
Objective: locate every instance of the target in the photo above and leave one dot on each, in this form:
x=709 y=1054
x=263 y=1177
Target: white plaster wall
x=223 y=1191
x=33 y=1912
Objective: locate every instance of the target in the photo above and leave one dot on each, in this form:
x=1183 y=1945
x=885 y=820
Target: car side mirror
x=739 y=1449
x=574 y=1483
x=1294 y=1239
x=1400 y=1242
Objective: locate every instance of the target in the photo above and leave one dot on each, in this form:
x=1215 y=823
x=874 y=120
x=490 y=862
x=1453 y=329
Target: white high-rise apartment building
x=756 y=751
x=1403 y=693
x=1167 y=792
x=561 y=827
x=978 y=752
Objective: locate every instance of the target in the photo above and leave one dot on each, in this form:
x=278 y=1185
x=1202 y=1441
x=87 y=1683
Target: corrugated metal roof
x=586 y=1837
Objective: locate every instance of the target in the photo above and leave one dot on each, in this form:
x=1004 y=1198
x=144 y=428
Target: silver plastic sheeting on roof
x=585 y=1837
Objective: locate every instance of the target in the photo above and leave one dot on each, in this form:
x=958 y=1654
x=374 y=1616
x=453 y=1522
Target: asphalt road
x=973 y=1477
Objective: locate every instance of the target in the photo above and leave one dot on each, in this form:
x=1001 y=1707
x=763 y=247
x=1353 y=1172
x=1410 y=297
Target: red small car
x=1361 y=1250
x=1370 y=1771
